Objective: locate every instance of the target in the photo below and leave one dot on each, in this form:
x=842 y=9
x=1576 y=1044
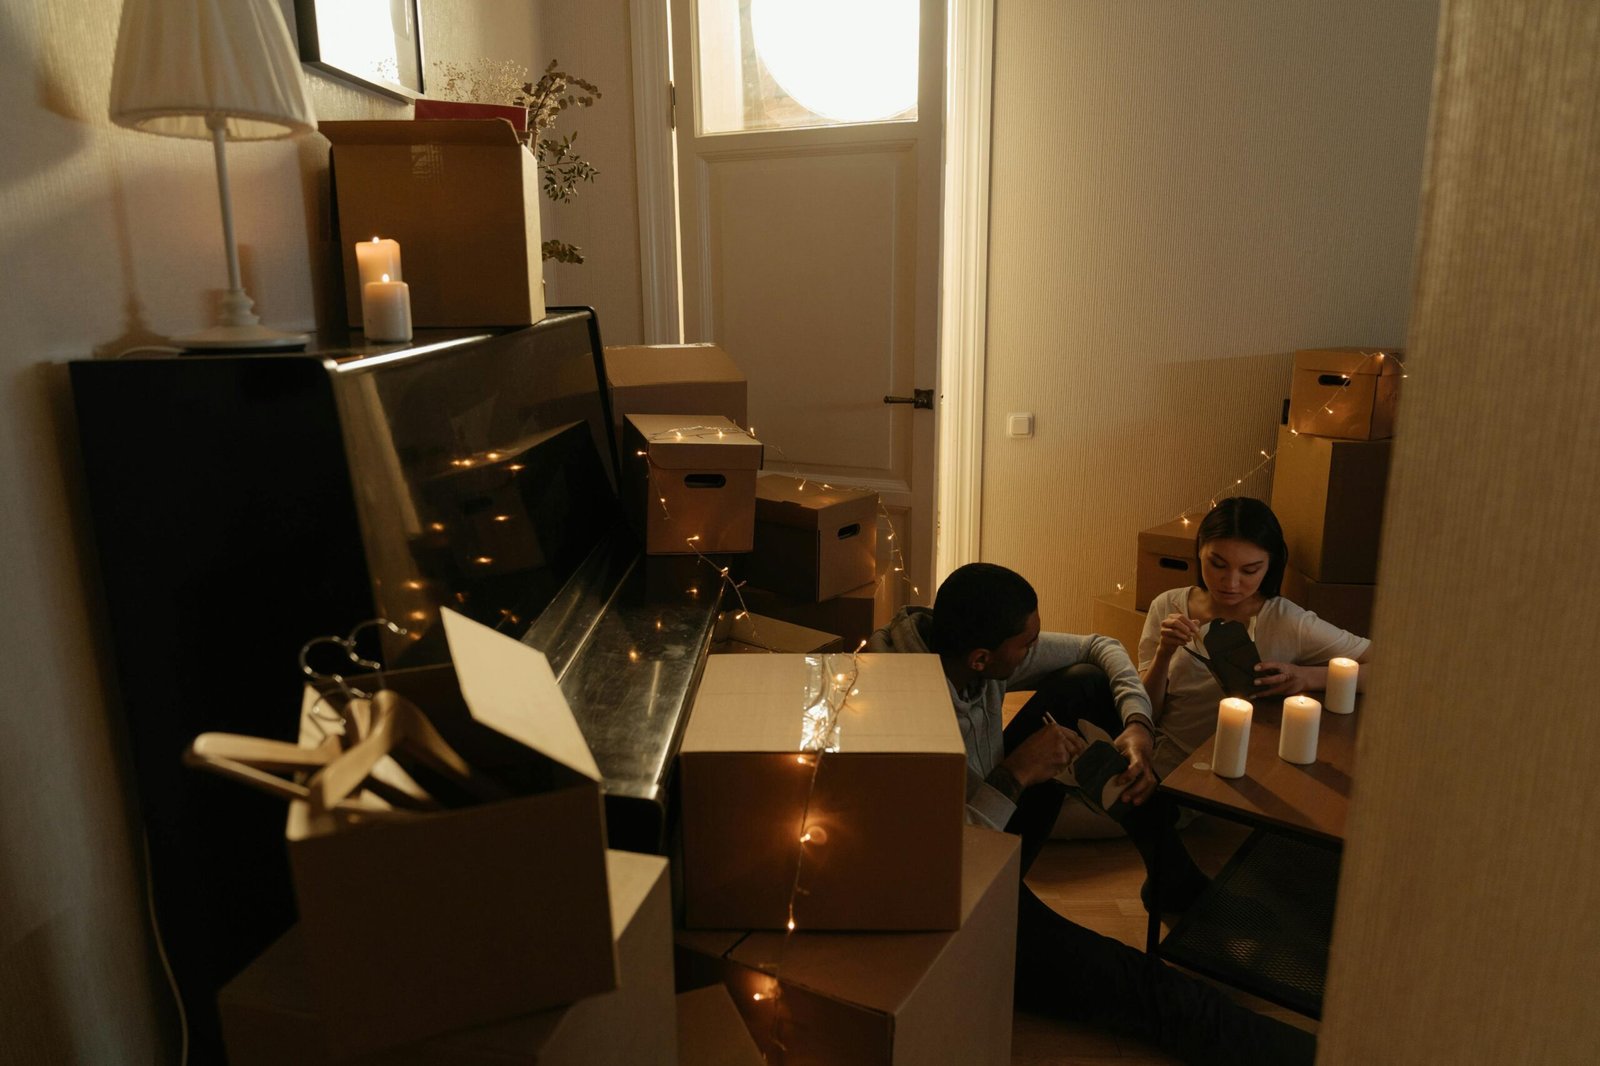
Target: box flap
x=878 y=971
x=697 y=442
x=628 y=366
x=493 y=131
x=1348 y=360
x=758 y=703
x=1173 y=538
x=510 y=688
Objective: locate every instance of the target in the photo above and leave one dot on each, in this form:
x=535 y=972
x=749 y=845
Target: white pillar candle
x=1233 y=737
x=386 y=310
x=376 y=258
x=1341 y=695
x=1297 y=738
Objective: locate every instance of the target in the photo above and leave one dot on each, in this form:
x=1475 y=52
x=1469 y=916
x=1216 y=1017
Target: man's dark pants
x=1068 y=971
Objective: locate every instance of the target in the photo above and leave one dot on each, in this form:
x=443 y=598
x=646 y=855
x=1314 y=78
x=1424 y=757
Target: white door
x=808 y=138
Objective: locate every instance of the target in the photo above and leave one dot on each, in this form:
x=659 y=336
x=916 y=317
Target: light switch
x=1019 y=424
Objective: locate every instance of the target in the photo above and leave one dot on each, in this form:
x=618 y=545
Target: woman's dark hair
x=1247 y=519
x=980 y=605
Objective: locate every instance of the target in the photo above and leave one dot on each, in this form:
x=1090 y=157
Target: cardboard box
x=758 y=633
x=1114 y=615
x=1349 y=393
x=711 y=1031
x=1346 y=606
x=448 y=919
x=1166 y=560
x=812 y=542
x=690 y=476
x=889 y=999
x=853 y=614
x=1328 y=495
x=270 y=1017
x=461 y=197
x=674 y=379
x=889 y=794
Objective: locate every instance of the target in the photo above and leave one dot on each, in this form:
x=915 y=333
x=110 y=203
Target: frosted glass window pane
x=774 y=64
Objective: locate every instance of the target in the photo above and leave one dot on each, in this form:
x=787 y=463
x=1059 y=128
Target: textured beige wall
x=1467 y=929
x=592 y=39
x=1182 y=194
x=109 y=238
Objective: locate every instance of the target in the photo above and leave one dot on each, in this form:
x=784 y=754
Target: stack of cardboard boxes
x=807 y=552
x=903 y=932
x=498 y=931
x=1329 y=480
x=1331 y=476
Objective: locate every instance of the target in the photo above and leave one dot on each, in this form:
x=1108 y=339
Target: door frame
x=963 y=248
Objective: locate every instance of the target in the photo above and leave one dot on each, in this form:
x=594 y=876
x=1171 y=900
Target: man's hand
x=1138 y=781
x=1048 y=751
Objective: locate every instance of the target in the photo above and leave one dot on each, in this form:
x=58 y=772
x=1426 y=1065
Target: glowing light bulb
x=491 y=456
x=502 y=518
x=484 y=560
x=514 y=467
x=633 y=655
x=641 y=453
x=791 y=925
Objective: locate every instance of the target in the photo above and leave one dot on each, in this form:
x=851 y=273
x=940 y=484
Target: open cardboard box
x=889 y=795
x=881 y=999
x=435 y=921
x=461 y=197
x=269 y=1016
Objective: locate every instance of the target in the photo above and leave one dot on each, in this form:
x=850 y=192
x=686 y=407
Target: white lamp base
x=241 y=329
x=241 y=338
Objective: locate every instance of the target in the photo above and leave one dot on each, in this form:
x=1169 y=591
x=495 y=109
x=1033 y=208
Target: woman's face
x=1232 y=569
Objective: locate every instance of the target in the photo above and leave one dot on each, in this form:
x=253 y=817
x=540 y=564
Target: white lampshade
x=179 y=61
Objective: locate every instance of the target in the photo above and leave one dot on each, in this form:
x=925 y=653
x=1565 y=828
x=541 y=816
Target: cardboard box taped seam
x=889 y=795
x=420 y=923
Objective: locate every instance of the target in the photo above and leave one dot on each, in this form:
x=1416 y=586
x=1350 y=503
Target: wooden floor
x=1096 y=884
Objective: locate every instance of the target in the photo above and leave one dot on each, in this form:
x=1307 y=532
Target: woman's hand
x=1282 y=679
x=1176 y=631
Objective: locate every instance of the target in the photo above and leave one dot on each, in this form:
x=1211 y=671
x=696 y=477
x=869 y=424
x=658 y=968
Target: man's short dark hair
x=980 y=605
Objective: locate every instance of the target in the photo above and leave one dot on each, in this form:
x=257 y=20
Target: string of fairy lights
x=822 y=711
x=1335 y=392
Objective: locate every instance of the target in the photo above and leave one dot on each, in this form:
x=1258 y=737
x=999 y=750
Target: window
x=777 y=64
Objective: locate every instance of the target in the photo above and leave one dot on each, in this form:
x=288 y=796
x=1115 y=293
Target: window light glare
x=806 y=43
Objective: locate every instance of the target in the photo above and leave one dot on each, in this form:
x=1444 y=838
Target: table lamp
x=223 y=71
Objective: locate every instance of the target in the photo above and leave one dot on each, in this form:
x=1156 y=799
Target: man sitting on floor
x=984 y=626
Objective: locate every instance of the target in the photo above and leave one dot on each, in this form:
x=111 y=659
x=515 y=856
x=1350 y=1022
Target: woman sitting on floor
x=1242 y=557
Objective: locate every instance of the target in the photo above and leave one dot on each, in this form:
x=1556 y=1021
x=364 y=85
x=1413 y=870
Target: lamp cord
x=161 y=952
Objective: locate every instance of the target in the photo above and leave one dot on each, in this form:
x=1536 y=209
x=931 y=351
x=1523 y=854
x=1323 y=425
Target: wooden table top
x=1307 y=799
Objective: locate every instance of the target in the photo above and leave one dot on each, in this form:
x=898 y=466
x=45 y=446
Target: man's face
x=1001 y=662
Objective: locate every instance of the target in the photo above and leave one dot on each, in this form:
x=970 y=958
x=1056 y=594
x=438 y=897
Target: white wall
x=109 y=238
x=592 y=40
x=1182 y=194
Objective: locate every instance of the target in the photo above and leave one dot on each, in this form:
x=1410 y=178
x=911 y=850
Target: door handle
x=919 y=398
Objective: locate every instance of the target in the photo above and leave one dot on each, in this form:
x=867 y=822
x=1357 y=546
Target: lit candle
x=1297 y=739
x=386 y=310
x=376 y=258
x=1341 y=695
x=1233 y=737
